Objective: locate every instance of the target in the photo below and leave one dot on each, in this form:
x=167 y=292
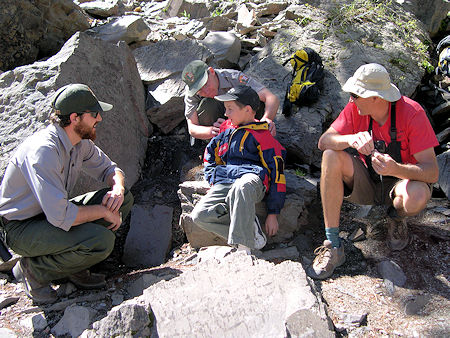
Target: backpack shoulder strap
x=393 y=130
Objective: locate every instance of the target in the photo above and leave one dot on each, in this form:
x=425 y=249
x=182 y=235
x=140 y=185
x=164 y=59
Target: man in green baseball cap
x=77 y=98
x=203 y=113
x=59 y=237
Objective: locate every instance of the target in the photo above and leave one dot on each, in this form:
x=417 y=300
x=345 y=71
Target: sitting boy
x=242 y=163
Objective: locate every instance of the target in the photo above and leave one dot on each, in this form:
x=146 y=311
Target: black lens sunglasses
x=93 y=113
x=354 y=96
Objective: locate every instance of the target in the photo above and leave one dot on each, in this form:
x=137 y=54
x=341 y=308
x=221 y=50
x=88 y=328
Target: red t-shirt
x=414 y=130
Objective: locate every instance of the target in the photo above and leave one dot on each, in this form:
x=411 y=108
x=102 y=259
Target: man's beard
x=85 y=132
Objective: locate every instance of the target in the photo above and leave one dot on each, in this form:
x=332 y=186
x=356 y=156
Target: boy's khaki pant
x=55 y=253
x=228 y=210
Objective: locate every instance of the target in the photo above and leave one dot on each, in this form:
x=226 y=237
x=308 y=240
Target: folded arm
x=361 y=141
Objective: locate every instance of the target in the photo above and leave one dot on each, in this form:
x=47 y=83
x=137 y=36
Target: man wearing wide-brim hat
x=59 y=237
x=395 y=167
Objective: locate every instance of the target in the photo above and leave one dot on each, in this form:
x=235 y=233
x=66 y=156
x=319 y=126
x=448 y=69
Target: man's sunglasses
x=354 y=96
x=93 y=113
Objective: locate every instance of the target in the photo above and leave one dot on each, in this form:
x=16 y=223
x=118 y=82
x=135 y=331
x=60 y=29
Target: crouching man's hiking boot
x=327 y=259
x=87 y=280
x=398 y=235
x=40 y=293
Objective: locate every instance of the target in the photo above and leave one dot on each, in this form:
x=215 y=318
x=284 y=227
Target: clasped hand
x=113 y=201
x=216 y=126
x=383 y=164
x=362 y=142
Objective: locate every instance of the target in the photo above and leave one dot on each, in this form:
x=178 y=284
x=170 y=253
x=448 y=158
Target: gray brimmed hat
x=372 y=80
x=195 y=75
x=243 y=94
x=77 y=98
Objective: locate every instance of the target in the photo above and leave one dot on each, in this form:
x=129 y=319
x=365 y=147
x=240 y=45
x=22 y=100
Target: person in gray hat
x=59 y=237
x=203 y=113
x=396 y=165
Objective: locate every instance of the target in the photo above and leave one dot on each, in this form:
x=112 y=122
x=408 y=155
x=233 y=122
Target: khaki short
x=365 y=190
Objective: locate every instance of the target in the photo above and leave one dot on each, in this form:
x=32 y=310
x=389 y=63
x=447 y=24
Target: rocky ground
x=358 y=294
x=359 y=302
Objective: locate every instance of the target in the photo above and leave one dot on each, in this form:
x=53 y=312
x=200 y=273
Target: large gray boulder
x=429 y=12
x=160 y=66
x=101 y=8
x=225 y=46
x=167 y=59
x=237 y=296
x=29 y=29
x=344 y=45
x=125 y=320
x=232 y=295
x=150 y=236
x=128 y=28
x=75 y=320
x=110 y=70
x=193 y=9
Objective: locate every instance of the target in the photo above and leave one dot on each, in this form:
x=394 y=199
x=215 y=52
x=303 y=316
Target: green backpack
x=307 y=79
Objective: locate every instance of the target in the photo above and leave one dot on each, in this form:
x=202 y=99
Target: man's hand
x=115 y=218
x=271 y=225
x=272 y=128
x=362 y=142
x=216 y=126
x=114 y=198
x=383 y=164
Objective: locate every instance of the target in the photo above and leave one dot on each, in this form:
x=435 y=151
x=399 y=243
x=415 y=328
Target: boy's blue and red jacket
x=248 y=149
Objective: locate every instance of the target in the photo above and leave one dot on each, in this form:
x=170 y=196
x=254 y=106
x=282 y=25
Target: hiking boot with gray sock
x=40 y=293
x=398 y=235
x=87 y=280
x=327 y=259
x=260 y=236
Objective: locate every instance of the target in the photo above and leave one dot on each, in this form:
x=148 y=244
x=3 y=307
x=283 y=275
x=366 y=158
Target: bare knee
x=413 y=196
x=337 y=161
x=330 y=156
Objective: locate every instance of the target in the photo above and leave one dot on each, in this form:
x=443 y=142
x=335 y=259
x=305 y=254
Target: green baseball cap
x=195 y=75
x=77 y=98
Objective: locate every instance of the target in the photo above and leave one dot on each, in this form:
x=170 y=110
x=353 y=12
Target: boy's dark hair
x=242 y=105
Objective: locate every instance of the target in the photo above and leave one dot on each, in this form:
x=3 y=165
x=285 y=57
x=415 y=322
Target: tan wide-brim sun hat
x=372 y=80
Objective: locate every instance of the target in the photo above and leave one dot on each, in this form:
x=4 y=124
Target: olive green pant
x=55 y=253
